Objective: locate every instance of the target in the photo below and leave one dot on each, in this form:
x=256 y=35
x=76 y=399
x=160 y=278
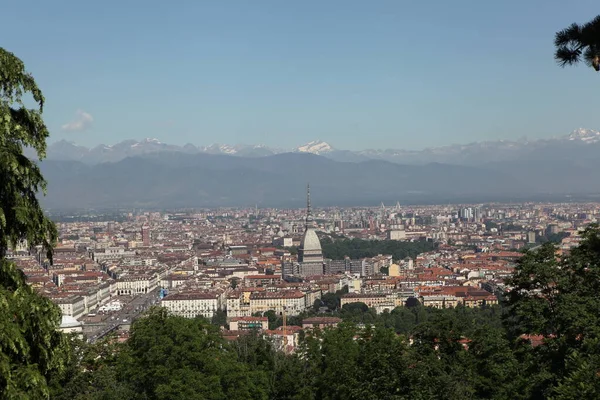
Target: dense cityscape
x=239 y=264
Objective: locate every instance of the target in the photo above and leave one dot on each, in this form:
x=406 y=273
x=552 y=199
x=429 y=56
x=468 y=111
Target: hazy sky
x=357 y=74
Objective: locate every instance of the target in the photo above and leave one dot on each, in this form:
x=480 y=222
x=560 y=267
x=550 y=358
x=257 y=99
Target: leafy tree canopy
x=32 y=351
x=579 y=43
x=359 y=248
x=170 y=357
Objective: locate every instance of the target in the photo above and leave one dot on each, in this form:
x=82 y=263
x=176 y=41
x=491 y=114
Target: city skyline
x=389 y=75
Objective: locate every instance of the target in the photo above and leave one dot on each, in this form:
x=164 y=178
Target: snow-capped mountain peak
x=217 y=148
x=468 y=154
x=585 y=135
x=315 y=147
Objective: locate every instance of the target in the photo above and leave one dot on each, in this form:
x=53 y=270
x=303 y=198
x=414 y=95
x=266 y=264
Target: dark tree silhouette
x=577 y=43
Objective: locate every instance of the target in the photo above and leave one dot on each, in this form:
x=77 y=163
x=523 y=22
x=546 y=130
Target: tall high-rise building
x=465 y=214
x=477 y=214
x=146 y=235
x=310 y=255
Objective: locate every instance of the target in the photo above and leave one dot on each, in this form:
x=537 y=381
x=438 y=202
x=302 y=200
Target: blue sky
x=357 y=74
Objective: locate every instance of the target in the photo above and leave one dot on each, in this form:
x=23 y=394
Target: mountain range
x=465 y=154
x=151 y=174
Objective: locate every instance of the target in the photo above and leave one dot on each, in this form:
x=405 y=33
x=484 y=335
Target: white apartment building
x=136 y=284
x=191 y=305
x=379 y=302
x=440 y=301
x=293 y=301
x=111 y=253
x=103 y=293
x=91 y=300
x=236 y=307
x=141 y=262
x=310 y=296
x=173 y=281
x=73 y=306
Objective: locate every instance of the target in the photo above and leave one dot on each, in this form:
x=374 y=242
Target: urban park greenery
x=359 y=248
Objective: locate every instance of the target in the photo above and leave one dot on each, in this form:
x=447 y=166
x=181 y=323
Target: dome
x=310 y=241
x=69 y=322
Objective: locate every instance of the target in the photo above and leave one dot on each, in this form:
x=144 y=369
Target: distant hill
x=149 y=173
x=169 y=179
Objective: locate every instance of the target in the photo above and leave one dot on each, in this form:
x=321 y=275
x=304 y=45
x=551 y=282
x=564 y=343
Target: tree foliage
x=170 y=357
x=579 y=43
x=32 y=351
x=556 y=299
x=359 y=248
x=21 y=216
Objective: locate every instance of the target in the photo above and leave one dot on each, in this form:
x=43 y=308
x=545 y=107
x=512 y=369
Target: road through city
x=126 y=315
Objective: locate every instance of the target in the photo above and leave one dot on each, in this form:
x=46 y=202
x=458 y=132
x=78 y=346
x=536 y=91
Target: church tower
x=310 y=255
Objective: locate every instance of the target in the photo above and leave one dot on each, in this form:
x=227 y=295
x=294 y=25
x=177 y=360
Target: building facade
x=191 y=305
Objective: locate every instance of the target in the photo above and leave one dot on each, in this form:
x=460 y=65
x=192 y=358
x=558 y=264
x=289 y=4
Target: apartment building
x=193 y=304
x=137 y=284
x=293 y=302
x=379 y=302
x=261 y=280
x=72 y=306
x=248 y=323
x=440 y=301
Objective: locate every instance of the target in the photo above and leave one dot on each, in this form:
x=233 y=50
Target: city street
x=126 y=315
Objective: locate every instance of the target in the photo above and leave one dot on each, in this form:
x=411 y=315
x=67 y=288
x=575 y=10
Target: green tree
x=382 y=363
x=220 y=318
x=581 y=379
x=577 y=43
x=355 y=308
x=498 y=372
x=333 y=300
x=412 y=302
x=21 y=216
x=316 y=305
x=533 y=298
x=336 y=363
x=32 y=351
x=556 y=299
x=359 y=248
x=272 y=318
x=94 y=374
x=170 y=357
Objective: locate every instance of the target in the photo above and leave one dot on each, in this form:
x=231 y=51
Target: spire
x=309 y=218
